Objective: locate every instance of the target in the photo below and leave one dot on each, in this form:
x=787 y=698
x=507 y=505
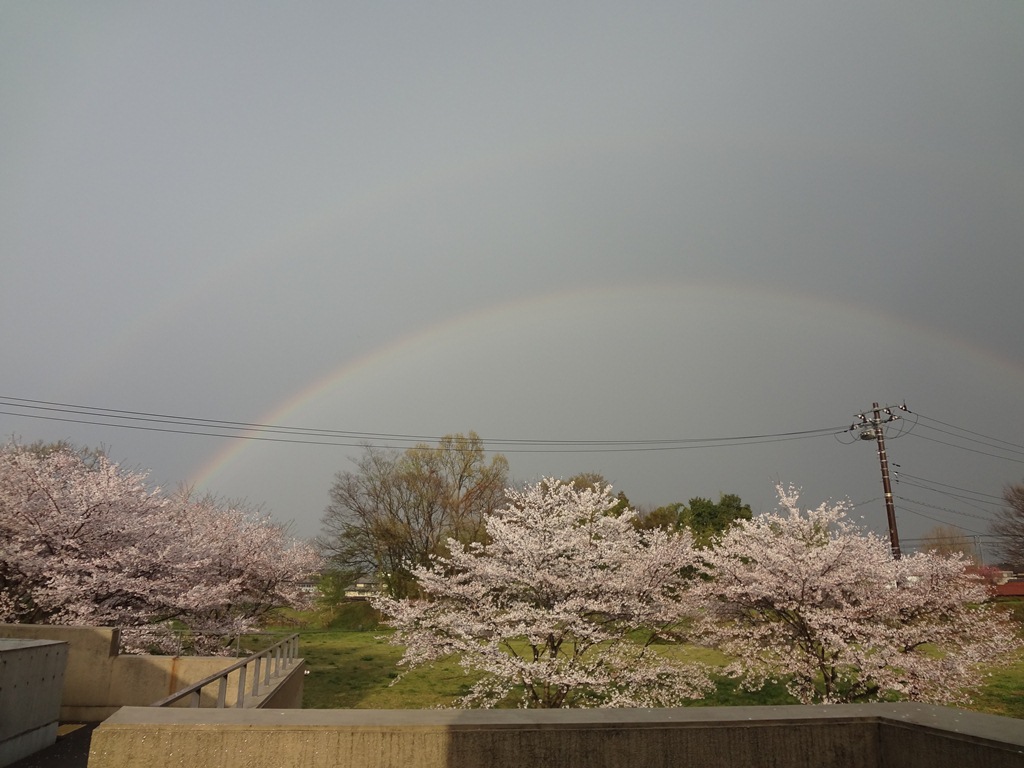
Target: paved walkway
x=70 y=751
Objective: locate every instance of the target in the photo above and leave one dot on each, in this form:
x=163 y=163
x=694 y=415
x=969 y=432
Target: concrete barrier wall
x=287 y=693
x=922 y=736
x=99 y=680
x=31 y=680
x=90 y=650
x=847 y=736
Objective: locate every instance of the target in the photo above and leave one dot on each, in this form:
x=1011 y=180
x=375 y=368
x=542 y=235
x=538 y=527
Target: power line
x=147 y=421
x=863 y=503
x=970 y=432
x=1000 y=499
x=974 y=534
x=987 y=441
x=944 y=509
x=937 y=520
x=965 y=499
x=964 y=448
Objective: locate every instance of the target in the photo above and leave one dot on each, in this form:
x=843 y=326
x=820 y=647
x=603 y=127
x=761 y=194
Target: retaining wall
x=841 y=736
x=31 y=680
x=99 y=680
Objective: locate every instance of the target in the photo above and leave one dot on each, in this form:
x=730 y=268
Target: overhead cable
x=159 y=422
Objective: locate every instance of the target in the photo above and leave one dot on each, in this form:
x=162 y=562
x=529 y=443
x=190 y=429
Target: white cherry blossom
x=90 y=543
x=806 y=597
x=559 y=608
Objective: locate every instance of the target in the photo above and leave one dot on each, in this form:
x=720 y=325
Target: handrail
x=279 y=658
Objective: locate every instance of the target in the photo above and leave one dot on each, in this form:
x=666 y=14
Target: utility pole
x=871 y=428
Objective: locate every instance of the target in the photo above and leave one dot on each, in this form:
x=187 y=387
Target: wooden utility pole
x=872 y=429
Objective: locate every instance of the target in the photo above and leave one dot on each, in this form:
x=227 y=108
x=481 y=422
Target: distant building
x=363 y=589
x=310 y=587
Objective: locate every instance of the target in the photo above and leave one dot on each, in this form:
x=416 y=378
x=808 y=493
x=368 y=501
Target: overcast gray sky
x=556 y=221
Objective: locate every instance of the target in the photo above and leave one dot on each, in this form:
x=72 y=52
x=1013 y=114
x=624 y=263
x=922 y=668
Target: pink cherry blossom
x=558 y=608
x=90 y=543
x=806 y=597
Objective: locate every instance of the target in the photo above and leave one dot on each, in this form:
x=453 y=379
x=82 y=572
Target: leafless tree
x=1009 y=527
x=400 y=508
x=949 y=540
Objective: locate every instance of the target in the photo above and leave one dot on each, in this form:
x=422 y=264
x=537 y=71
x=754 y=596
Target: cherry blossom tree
x=808 y=598
x=558 y=607
x=238 y=566
x=79 y=543
x=83 y=541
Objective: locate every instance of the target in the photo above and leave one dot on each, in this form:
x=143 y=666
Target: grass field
x=355 y=669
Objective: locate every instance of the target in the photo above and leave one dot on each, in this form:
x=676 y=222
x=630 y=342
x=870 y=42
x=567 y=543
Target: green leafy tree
x=665 y=517
x=400 y=508
x=703 y=518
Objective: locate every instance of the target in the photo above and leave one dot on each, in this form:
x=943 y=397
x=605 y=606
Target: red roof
x=1010 y=589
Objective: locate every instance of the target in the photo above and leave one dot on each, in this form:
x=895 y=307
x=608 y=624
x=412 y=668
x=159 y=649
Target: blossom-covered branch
x=807 y=598
x=87 y=542
x=555 y=608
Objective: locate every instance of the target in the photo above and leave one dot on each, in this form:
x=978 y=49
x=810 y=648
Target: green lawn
x=355 y=669
x=1003 y=693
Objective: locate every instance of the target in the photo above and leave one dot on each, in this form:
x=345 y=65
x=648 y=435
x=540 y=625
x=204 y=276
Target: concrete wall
x=99 y=680
x=845 y=736
x=922 y=736
x=287 y=693
x=31 y=680
x=89 y=658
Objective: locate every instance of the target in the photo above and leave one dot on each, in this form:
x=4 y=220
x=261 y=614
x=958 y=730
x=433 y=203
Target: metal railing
x=266 y=665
